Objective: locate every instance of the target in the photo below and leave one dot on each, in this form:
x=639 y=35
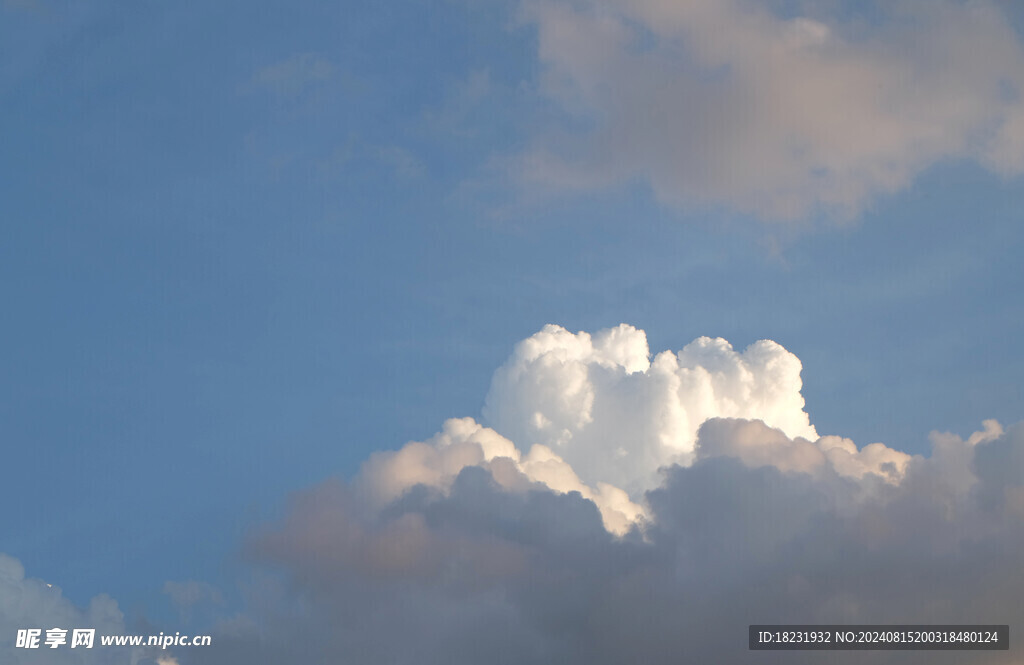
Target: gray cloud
x=464 y=548
x=725 y=103
x=483 y=574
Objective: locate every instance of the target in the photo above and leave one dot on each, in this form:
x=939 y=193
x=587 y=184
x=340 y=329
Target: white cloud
x=723 y=102
x=594 y=415
x=616 y=415
x=477 y=546
x=28 y=603
x=462 y=443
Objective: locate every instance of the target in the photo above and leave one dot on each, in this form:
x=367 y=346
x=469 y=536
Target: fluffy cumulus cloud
x=818 y=108
x=617 y=414
x=505 y=542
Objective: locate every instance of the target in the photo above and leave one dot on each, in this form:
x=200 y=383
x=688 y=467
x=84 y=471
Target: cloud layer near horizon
x=474 y=547
x=480 y=573
x=29 y=603
x=733 y=103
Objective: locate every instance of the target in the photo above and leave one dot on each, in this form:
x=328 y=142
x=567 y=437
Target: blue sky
x=245 y=245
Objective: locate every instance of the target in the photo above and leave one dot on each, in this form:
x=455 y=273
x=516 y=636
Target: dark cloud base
x=482 y=574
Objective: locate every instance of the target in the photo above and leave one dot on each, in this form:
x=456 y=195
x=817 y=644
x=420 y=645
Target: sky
x=510 y=331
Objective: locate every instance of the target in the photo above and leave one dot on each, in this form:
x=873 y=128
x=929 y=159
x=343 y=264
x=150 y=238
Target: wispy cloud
x=293 y=75
x=404 y=163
